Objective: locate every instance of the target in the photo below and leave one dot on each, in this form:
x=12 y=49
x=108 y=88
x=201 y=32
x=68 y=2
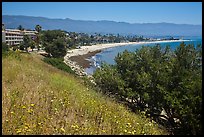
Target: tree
x=20 y=27
x=50 y=35
x=4 y=47
x=38 y=28
x=26 y=42
x=57 y=48
x=157 y=80
x=32 y=45
x=21 y=46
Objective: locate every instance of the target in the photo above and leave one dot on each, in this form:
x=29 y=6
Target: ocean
x=109 y=54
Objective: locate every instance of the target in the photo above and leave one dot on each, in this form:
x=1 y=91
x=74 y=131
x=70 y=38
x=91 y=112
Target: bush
x=58 y=63
x=4 y=47
x=160 y=80
x=57 y=48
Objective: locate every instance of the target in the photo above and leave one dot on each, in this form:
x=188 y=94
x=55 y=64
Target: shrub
x=58 y=63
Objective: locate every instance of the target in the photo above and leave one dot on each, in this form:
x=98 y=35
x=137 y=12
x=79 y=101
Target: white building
x=15 y=36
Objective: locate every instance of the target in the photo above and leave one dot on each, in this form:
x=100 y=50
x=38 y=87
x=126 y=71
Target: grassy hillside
x=40 y=99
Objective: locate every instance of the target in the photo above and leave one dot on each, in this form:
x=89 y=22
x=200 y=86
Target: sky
x=131 y=12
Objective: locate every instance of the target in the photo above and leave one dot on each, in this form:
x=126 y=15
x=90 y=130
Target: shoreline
x=77 y=59
x=86 y=49
x=82 y=60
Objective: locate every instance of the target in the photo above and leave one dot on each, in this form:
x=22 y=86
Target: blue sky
x=132 y=12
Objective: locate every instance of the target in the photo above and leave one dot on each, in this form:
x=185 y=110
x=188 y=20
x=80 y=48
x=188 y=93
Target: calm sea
x=109 y=54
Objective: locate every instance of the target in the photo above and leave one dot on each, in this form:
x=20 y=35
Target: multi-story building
x=12 y=36
x=30 y=33
x=15 y=36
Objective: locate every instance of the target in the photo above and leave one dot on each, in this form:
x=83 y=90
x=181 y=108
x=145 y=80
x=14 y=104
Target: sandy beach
x=77 y=58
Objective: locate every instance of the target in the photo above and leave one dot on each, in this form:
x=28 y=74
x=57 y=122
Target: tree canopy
x=161 y=82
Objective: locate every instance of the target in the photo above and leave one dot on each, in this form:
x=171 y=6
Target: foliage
x=40 y=99
x=20 y=27
x=158 y=80
x=26 y=42
x=58 y=63
x=32 y=45
x=38 y=28
x=57 y=48
x=4 y=47
x=21 y=46
x=50 y=35
x=54 y=42
x=110 y=81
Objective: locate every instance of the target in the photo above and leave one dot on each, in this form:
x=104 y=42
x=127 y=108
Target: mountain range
x=103 y=26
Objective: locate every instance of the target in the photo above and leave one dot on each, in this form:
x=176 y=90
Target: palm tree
x=20 y=27
x=38 y=28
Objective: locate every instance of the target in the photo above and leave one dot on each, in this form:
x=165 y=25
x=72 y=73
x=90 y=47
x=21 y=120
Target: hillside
x=146 y=29
x=40 y=99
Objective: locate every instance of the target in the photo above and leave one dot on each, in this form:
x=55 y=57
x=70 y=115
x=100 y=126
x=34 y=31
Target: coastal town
x=79 y=47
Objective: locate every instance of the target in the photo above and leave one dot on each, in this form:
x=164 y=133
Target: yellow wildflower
x=133 y=132
x=62 y=129
x=29 y=130
x=18 y=131
x=23 y=107
x=32 y=105
x=30 y=111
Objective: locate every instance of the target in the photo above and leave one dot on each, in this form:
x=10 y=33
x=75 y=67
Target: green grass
x=40 y=99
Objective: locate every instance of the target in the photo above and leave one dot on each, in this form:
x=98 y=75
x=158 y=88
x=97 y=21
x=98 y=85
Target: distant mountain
x=146 y=29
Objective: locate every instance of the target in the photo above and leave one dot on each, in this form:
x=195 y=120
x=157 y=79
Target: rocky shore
x=80 y=63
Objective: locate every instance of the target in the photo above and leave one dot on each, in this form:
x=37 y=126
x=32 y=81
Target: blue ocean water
x=109 y=54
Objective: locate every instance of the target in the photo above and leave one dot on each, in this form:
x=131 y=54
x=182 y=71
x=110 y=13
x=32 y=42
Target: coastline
x=86 y=49
x=77 y=59
x=82 y=60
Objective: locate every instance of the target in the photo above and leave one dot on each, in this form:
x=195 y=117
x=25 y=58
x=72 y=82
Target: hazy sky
x=132 y=12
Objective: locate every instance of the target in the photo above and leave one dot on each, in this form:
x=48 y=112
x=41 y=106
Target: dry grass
x=40 y=99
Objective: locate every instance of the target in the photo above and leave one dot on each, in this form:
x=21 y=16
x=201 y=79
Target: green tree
x=20 y=27
x=26 y=42
x=21 y=46
x=32 y=45
x=38 y=28
x=57 y=49
x=4 y=47
x=50 y=35
x=155 y=80
x=38 y=38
